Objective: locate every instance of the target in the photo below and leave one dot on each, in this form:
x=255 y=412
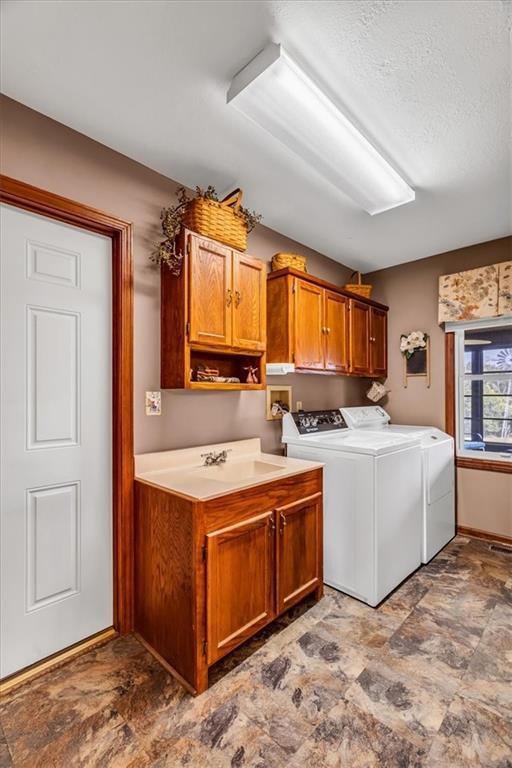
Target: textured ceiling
x=428 y=82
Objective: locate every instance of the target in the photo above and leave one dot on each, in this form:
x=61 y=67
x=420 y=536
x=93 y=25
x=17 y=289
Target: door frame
x=36 y=200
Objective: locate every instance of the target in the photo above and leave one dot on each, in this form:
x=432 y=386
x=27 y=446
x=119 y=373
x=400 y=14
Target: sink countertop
x=183 y=472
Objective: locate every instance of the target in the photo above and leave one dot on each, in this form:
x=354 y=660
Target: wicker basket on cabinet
x=282 y=260
x=220 y=221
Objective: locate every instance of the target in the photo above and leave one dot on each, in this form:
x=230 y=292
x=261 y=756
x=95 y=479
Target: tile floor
x=424 y=680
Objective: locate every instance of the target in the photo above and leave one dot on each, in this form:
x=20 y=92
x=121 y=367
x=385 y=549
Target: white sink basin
x=237 y=471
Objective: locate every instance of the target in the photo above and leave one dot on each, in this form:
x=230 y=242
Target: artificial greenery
x=172 y=218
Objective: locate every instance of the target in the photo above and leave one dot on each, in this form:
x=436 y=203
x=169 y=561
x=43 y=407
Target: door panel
x=299 y=549
x=240 y=583
x=56 y=437
x=378 y=342
x=309 y=348
x=335 y=336
x=211 y=295
x=359 y=336
x=249 y=302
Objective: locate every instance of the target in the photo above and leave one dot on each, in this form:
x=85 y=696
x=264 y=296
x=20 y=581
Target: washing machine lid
x=365 y=417
x=328 y=430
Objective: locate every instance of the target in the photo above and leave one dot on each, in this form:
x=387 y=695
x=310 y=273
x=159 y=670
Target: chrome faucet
x=212 y=458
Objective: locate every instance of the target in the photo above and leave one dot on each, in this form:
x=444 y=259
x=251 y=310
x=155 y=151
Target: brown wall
x=42 y=152
x=411 y=291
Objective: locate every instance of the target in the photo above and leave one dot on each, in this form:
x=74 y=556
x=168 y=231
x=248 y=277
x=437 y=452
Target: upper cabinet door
x=359 y=335
x=211 y=295
x=308 y=317
x=249 y=302
x=335 y=332
x=378 y=342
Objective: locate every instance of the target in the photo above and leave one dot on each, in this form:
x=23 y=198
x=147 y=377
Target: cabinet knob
x=229 y=297
x=327 y=330
x=238 y=298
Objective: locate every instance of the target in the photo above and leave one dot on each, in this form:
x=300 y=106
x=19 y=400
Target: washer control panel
x=309 y=422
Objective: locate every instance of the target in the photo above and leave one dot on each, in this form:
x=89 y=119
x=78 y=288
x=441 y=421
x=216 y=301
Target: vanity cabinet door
x=240 y=583
x=210 y=292
x=299 y=549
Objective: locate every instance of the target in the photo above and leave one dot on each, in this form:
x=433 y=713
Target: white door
x=56 y=437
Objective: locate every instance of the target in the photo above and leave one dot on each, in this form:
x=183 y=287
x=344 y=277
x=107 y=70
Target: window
x=484 y=389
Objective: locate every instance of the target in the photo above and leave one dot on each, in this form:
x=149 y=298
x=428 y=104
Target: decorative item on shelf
x=360 y=288
x=204 y=373
x=279 y=401
x=252 y=374
x=295 y=260
x=377 y=392
x=415 y=348
x=224 y=220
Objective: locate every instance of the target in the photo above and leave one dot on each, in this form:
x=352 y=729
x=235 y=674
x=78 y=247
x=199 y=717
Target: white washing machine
x=438 y=473
x=372 y=501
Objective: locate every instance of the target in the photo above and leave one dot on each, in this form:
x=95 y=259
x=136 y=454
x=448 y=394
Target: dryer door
x=440 y=470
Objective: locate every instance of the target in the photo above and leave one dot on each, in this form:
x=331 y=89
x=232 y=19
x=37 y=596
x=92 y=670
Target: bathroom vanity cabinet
x=211 y=573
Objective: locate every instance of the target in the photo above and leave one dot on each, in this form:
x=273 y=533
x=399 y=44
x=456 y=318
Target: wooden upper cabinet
x=308 y=321
x=210 y=292
x=240 y=582
x=299 y=546
x=359 y=335
x=323 y=328
x=249 y=305
x=335 y=331
x=378 y=342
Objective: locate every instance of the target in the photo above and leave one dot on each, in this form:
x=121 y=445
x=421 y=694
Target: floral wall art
x=476 y=293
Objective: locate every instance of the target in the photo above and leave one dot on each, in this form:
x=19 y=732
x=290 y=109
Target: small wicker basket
x=282 y=260
x=360 y=288
x=218 y=220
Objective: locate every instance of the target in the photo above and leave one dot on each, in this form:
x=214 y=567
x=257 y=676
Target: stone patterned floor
x=424 y=680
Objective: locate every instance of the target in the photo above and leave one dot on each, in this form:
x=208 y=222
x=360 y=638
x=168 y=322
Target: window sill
x=489 y=465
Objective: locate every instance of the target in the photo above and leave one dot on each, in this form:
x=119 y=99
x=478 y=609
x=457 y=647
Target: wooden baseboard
x=35 y=670
x=476 y=533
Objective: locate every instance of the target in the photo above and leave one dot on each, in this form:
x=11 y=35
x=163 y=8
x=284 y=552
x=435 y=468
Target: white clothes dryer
x=438 y=473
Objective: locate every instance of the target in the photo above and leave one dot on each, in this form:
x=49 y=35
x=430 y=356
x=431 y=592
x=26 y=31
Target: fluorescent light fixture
x=280 y=369
x=274 y=92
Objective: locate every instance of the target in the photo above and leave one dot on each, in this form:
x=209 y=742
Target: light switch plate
x=299 y=405
x=154 y=403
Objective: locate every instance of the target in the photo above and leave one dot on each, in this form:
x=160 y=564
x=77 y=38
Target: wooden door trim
x=464 y=462
x=36 y=200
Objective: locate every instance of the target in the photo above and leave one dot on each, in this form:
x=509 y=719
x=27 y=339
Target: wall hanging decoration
x=377 y=392
x=224 y=220
x=279 y=401
x=415 y=348
x=476 y=293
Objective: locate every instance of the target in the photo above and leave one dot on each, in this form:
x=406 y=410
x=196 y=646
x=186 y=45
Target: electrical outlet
x=154 y=403
x=299 y=405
